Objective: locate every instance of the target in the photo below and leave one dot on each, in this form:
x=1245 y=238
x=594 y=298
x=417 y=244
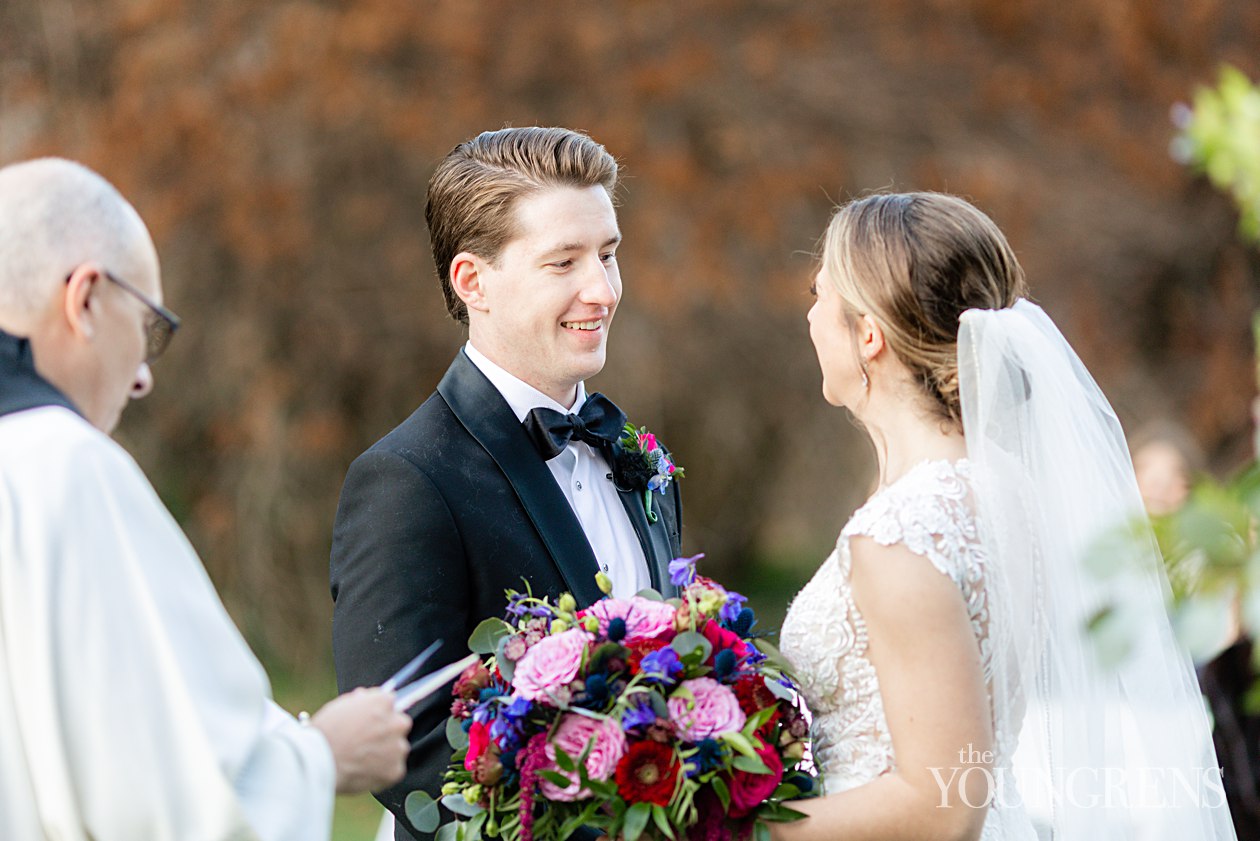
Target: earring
x=866 y=379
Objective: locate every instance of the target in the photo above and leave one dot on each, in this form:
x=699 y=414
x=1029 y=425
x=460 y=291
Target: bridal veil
x=1106 y=750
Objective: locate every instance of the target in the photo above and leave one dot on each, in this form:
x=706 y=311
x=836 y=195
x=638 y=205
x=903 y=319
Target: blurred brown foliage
x=280 y=152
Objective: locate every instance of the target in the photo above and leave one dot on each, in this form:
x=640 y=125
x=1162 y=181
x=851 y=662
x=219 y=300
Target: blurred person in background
x=950 y=618
x=507 y=471
x=130 y=706
x=1168 y=462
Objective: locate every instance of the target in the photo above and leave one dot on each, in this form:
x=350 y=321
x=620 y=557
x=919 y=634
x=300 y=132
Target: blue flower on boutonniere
x=642 y=464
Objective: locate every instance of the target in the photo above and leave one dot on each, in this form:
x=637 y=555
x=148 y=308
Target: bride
x=942 y=645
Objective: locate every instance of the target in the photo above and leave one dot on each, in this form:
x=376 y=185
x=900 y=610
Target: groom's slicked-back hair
x=473 y=192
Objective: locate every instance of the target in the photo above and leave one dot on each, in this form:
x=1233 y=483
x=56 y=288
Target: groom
x=504 y=475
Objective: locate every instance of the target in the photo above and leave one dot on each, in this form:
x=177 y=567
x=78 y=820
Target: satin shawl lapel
x=653 y=537
x=486 y=415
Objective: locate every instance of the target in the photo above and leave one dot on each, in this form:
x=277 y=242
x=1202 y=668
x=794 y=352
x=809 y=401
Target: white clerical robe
x=131 y=708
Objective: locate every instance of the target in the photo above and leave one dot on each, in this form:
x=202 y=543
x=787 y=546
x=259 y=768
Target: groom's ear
x=467 y=274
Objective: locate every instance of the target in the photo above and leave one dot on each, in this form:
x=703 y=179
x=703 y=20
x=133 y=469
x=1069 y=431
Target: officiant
x=130 y=706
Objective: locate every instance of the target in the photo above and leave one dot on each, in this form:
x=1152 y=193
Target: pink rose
x=645 y=618
x=715 y=710
x=550 y=664
x=572 y=736
x=478 y=742
x=647 y=442
x=749 y=790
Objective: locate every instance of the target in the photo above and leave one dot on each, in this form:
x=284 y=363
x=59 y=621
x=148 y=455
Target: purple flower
x=517 y=607
x=734 y=604
x=518 y=709
x=682 y=571
x=639 y=714
x=661 y=666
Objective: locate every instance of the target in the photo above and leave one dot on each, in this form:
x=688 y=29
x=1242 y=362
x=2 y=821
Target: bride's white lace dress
x=930 y=511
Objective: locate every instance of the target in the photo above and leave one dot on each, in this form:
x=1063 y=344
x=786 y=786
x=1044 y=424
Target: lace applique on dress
x=824 y=636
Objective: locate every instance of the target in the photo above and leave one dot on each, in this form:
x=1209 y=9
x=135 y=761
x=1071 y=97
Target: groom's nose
x=597 y=287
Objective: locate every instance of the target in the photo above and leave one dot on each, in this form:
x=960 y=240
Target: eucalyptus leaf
x=636 y=821
x=778 y=690
x=422 y=811
x=650 y=594
x=448 y=832
x=485 y=637
x=659 y=706
x=761 y=832
x=455 y=735
x=507 y=668
x=457 y=804
x=472 y=830
x=688 y=643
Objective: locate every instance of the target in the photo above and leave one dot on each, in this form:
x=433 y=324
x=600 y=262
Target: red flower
x=640 y=649
x=478 y=742
x=754 y=696
x=647 y=773
x=748 y=790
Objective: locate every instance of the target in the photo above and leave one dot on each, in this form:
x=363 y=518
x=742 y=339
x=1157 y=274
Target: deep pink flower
x=715 y=711
x=647 y=442
x=645 y=618
x=748 y=790
x=478 y=742
x=572 y=736
x=550 y=664
x=721 y=638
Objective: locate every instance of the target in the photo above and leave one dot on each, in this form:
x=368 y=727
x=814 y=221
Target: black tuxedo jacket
x=436 y=521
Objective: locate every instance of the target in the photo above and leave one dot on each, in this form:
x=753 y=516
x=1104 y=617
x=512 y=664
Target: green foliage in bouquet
x=640 y=717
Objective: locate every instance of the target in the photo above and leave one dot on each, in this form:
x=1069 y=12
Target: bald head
x=77 y=274
x=56 y=215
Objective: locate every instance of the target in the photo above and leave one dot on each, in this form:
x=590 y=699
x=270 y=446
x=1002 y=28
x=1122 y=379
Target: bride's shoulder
x=929 y=509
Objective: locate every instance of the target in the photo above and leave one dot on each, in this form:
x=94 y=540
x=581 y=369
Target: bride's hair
x=915 y=262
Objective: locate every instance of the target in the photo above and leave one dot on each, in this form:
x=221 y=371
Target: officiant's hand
x=368 y=739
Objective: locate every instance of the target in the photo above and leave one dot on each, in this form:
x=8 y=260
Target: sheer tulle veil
x=1104 y=751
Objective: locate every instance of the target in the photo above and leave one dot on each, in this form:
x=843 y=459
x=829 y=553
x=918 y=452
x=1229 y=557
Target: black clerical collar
x=21 y=386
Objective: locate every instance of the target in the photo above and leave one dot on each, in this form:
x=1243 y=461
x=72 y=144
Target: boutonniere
x=641 y=464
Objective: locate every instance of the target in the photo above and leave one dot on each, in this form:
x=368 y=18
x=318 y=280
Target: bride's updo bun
x=915 y=262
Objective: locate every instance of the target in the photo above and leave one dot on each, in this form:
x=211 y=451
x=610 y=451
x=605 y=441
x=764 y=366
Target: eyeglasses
x=161 y=324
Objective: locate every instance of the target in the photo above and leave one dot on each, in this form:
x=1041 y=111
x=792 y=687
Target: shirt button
x=578 y=485
x=605 y=567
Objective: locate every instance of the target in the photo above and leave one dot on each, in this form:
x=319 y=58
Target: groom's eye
x=813 y=288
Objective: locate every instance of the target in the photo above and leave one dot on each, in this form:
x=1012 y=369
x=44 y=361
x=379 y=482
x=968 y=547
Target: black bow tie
x=599 y=423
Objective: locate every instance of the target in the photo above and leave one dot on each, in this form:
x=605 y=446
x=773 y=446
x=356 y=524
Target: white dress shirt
x=585 y=477
x=130 y=706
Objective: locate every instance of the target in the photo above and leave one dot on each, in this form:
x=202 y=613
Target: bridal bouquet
x=641 y=717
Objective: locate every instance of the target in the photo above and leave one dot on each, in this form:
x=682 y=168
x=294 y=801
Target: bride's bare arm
x=928 y=662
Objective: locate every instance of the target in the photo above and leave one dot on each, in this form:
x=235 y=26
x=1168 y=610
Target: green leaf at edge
x=422 y=811
x=485 y=637
x=455 y=735
x=661 y=819
x=636 y=821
